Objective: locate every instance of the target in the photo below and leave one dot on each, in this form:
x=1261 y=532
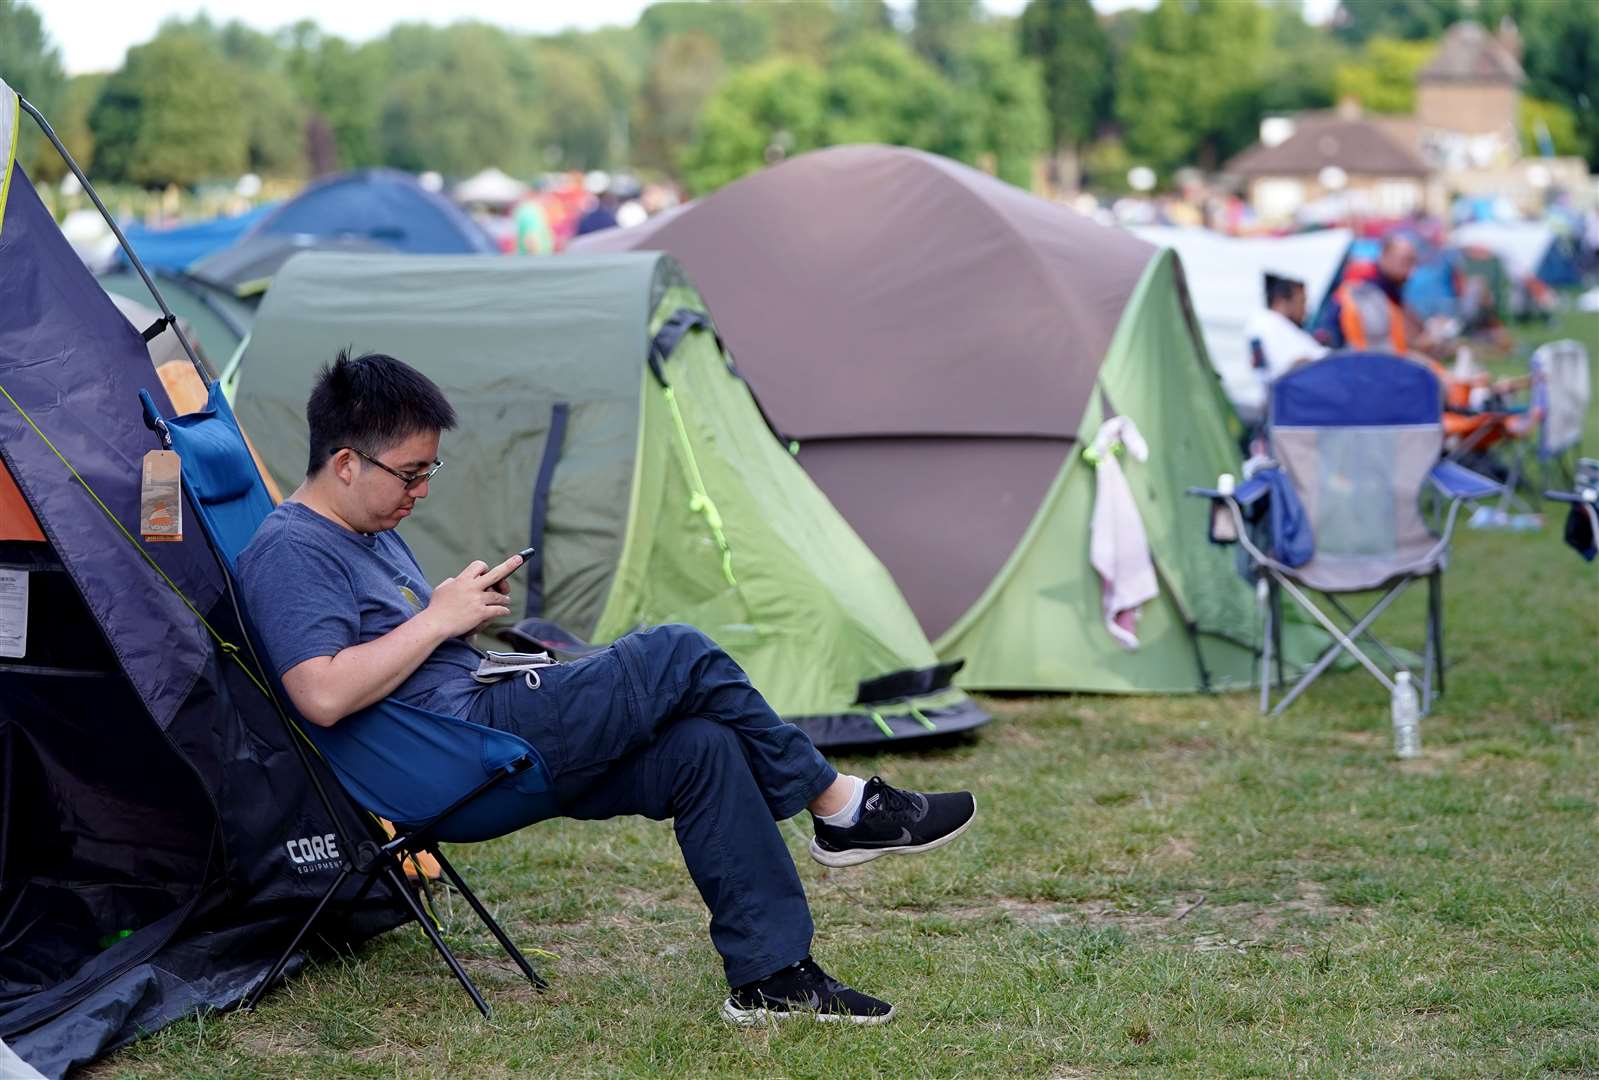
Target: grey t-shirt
x=313 y=587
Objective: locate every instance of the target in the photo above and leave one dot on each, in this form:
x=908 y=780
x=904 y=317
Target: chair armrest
x=1458 y=482
x=1585 y=496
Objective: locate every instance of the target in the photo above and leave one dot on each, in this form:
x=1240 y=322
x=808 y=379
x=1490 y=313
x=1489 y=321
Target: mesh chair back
x=400 y=762
x=1560 y=391
x=1357 y=434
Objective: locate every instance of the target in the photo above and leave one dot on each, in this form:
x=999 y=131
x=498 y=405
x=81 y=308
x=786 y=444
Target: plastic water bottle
x=1407 y=717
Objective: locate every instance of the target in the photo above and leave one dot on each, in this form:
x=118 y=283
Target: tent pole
x=171 y=319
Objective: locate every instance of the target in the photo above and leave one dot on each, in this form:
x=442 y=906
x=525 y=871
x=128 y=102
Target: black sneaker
x=894 y=822
x=803 y=990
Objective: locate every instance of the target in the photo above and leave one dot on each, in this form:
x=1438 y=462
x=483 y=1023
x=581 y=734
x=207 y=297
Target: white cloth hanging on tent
x=1118 y=545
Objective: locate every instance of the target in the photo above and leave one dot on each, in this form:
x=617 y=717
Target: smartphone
x=525 y=552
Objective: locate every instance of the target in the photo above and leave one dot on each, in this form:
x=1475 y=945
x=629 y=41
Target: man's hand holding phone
x=475 y=597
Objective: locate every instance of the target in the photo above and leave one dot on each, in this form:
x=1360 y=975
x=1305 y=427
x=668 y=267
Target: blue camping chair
x=1357 y=439
x=438 y=778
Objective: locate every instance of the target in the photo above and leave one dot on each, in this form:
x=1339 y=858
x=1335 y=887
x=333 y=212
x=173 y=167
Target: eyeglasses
x=410 y=480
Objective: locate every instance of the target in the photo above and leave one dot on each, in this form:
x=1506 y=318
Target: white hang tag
x=161 y=497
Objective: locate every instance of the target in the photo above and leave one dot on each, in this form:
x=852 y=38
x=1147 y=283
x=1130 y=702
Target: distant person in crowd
x=661 y=723
x=1277 y=340
x=602 y=216
x=1370 y=313
x=533 y=233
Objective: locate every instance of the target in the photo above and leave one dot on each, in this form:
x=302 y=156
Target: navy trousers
x=664 y=724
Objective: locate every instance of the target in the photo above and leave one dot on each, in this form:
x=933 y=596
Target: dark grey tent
x=246 y=268
x=219 y=320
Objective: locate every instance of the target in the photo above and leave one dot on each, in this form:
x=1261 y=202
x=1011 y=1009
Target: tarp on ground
x=940 y=344
x=1226 y=279
x=646 y=508
x=150 y=789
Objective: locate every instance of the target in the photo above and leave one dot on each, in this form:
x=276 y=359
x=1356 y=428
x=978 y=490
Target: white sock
x=851 y=811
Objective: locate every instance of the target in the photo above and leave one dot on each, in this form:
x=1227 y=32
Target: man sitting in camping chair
x=662 y=723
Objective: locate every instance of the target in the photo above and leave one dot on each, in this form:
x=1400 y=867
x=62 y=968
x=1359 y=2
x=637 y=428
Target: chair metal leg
x=277 y=968
x=1435 y=614
x=396 y=881
x=1377 y=642
x=1277 y=637
x=1342 y=642
x=1263 y=600
x=488 y=920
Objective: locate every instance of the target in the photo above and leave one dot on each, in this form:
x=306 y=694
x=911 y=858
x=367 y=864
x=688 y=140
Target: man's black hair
x=370 y=402
x=1281 y=288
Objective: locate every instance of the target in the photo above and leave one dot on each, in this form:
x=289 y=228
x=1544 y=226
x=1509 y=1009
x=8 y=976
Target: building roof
x=1360 y=146
x=1470 y=54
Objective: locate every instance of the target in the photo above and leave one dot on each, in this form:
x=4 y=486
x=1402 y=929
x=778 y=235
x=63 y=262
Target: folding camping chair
x=1560 y=394
x=1357 y=437
x=438 y=778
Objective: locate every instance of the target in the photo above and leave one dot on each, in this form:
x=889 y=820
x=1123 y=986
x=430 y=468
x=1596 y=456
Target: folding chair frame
x=1277 y=579
x=375 y=856
x=373 y=862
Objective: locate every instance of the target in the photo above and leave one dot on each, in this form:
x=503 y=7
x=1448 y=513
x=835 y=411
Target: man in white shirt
x=1276 y=339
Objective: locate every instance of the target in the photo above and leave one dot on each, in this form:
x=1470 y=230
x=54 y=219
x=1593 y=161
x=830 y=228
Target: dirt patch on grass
x=1192 y=918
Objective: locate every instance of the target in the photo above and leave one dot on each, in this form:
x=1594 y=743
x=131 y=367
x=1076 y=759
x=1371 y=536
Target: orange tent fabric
x=16 y=520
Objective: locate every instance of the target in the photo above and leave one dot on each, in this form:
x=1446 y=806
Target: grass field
x=1156 y=887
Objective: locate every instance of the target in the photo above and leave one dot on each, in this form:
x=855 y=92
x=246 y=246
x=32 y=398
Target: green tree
x=779 y=103
x=1383 y=80
x=940 y=29
x=342 y=86
x=171 y=115
x=71 y=122
x=615 y=55
x=1358 y=21
x=1560 y=40
x=30 y=63
x=1298 y=70
x=803 y=29
x=1540 y=119
x=1065 y=37
x=859 y=18
x=1013 y=125
x=880 y=91
x=577 y=120
x=464 y=102
x=1187 y=90
x=743 y=32
x=684 y=73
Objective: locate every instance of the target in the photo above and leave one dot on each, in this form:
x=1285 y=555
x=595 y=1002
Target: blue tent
x=175 y=248
x=384 y=205
x=154 y=808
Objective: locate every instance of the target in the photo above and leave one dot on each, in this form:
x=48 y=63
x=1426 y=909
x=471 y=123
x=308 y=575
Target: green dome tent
x=942 y=346
x=600 y=416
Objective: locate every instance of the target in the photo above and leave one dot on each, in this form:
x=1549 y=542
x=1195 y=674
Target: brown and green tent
x=940 y=346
